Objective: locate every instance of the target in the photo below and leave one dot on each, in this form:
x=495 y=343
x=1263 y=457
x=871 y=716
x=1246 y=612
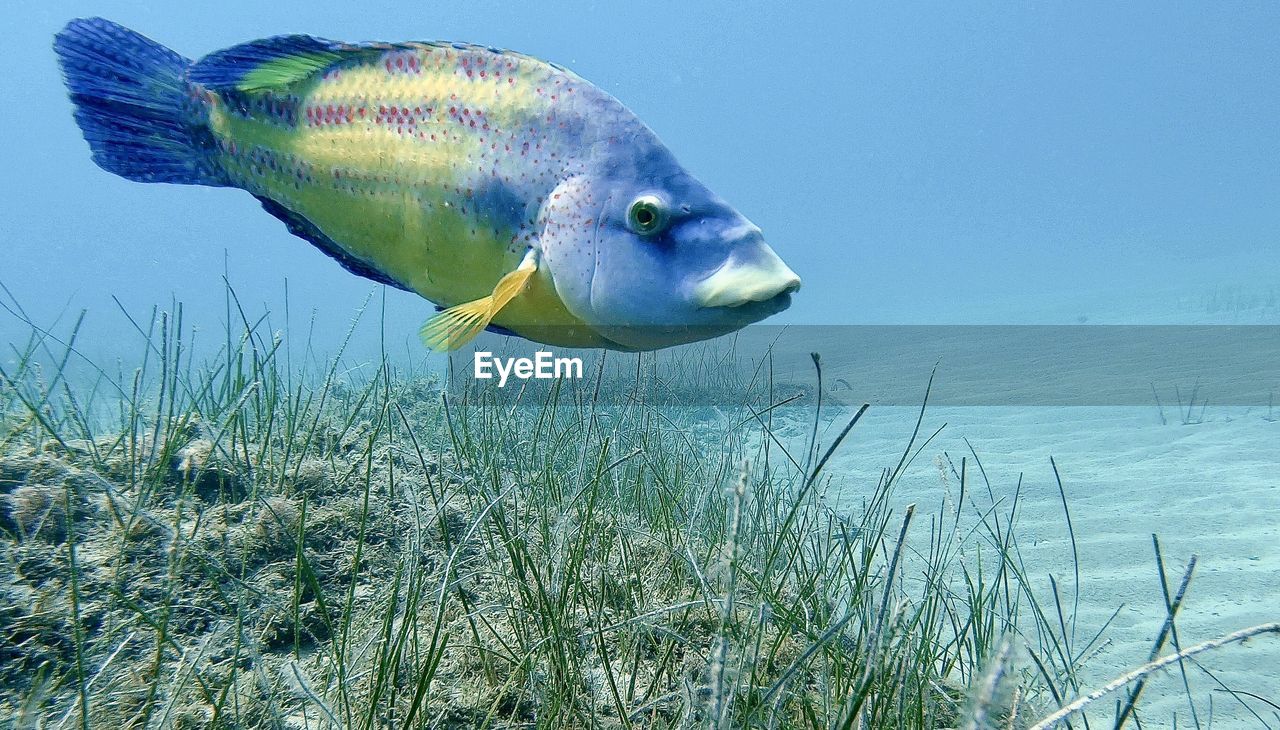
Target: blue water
x=913 y=162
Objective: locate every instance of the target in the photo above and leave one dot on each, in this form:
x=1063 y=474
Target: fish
x=508 y=191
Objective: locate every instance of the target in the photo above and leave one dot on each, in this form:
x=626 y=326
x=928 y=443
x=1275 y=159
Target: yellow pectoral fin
x=456 y=326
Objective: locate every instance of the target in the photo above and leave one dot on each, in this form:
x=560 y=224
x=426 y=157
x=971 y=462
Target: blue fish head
x=650 y=258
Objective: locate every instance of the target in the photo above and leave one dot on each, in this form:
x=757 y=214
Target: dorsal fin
x=306 y=230
x=272 y=63
x=279 y=61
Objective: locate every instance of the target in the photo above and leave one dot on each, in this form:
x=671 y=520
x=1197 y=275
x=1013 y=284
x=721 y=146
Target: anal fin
x=458 y=325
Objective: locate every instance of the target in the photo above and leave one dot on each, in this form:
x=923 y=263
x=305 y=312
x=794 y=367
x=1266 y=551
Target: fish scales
x=424 y=158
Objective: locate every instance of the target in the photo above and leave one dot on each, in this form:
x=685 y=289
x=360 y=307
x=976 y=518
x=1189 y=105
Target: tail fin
x=130 y=96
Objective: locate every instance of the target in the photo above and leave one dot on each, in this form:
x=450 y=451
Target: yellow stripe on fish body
x=425 y=162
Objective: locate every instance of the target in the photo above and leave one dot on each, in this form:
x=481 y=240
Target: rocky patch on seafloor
x=180 y=568
x=179 y=542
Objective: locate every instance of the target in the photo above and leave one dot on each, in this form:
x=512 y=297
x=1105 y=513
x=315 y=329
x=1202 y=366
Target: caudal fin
x=130 y=96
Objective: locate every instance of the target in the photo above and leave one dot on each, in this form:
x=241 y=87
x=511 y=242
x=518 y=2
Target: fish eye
x=647 y=215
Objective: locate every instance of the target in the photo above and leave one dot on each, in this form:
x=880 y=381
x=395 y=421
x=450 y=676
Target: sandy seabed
x=1209 y=488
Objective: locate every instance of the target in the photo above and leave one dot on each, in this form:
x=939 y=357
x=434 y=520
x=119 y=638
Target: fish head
x=649 y=257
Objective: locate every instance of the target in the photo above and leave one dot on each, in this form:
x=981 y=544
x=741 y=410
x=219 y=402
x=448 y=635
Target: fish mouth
x=782 y=292
x=758 y=309
x=761 y=282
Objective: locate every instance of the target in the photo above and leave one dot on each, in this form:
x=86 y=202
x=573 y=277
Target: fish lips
x=749 y=286
x=754 y=311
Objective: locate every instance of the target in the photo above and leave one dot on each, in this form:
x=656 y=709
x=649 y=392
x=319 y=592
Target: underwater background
x=915 y=163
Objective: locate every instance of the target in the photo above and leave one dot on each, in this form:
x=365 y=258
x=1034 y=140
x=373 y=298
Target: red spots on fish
x=401 y=63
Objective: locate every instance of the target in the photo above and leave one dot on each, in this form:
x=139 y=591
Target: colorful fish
x=507 y=190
